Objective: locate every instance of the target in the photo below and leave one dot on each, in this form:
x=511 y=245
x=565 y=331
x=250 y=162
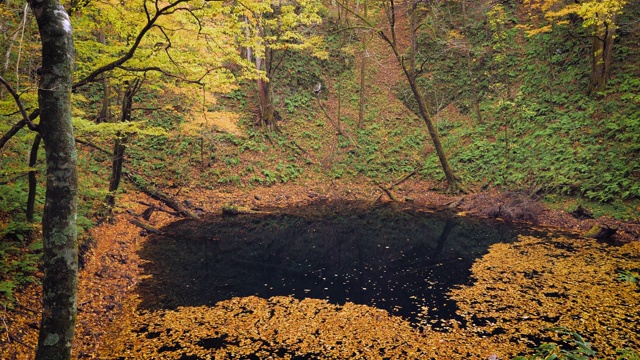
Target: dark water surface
x=400 y=259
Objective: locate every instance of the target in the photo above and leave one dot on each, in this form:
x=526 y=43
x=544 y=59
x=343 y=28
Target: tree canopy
x=176 y=100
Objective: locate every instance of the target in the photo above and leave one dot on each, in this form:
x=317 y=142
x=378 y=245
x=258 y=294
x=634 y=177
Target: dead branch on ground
x=145 y=226
x=387 y=190
x=162 y=197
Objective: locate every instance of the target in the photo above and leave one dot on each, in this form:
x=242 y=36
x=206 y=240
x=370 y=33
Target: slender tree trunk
x=116 y=171
x=119 y=146
x=343 y=36
x=407 y=61
x=552 y=80
x=60 y=260
x=33 y=184
x=601 y=52
x=363 y=66
x=474 y=91
x=105 y=114
x=247 y=35
x=7 y=59
x=339 y=104
x=424 y=113
x=265 y=103
x=467 y=53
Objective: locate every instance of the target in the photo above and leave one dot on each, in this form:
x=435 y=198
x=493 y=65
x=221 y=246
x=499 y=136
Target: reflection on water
x=401 y=260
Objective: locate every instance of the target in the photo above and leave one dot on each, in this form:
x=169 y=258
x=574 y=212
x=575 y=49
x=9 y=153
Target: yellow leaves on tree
x=212 y=121
x=262 y=26
x=594 y=13
x=599 y=20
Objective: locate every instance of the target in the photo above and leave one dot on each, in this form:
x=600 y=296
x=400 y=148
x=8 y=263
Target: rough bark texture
x=60 y=281
x=268 y=114
x=267 y=109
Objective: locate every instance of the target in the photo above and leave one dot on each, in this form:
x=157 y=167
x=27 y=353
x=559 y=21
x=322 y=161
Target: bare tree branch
x=91 y=145
x=23 y=112
x=14 y=130
x=151 y=22
x=166 y=73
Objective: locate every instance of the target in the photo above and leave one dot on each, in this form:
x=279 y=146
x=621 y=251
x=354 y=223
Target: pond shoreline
x=513 y=206
x=113 y=267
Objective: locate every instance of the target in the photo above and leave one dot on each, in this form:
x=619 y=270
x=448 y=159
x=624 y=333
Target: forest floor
x=515 y=291
x=111 y=324
x=112 y=269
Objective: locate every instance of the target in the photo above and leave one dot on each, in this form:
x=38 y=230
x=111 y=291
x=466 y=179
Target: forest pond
x=399 y=260
x=283 y=280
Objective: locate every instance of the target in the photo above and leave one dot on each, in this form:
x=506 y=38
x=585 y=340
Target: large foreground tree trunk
x=60 y=281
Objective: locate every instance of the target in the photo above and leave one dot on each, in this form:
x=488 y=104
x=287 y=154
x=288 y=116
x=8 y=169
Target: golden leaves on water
x=533 y=284
x=519 y=290
x=278 y=327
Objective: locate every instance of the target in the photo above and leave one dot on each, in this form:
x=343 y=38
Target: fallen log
x=145 y=226
x=581 y=213
x=162 y=197
x=600 y=232
x=406 y=177
x=159 y=208
x=396 y=183
x=146 y=215
x=389 y=193
x=231 y=210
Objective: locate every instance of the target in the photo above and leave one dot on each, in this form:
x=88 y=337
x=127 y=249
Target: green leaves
x=551 y=351
x=629 y=277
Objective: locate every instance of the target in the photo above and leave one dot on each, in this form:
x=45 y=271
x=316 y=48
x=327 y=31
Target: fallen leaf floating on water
x=571 y=286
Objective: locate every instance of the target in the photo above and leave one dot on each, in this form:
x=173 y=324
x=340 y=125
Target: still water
x=400 y=259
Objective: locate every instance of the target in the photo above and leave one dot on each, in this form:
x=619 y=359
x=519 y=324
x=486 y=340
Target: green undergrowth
x=539 y=127
x=573 y=346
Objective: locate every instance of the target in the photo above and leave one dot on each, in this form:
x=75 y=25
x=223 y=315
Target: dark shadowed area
x=399 y=258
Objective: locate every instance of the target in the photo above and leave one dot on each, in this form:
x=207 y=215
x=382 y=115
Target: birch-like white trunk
x=60 y=281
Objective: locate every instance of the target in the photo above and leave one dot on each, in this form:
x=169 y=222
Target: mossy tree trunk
x=60 y=281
